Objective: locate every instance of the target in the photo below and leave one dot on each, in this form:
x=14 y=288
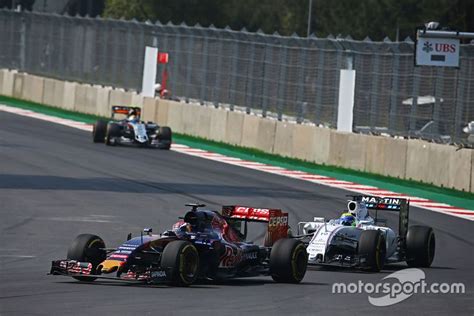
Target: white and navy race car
x=357 y=240
x=131 y=130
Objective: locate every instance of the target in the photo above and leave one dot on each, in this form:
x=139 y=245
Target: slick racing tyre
x=180 y=261
x=87 y=248
x=288 y=261
x=113 y=130
x=98 y=131
x=421 y=246
x=164 y=137
x=372 y=247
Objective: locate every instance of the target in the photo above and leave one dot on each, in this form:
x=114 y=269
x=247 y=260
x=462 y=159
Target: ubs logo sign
x=439 y=47
x=427 y=47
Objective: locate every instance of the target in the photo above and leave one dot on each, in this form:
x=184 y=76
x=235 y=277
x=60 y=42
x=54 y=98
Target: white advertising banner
x=149 y=71
x=346 y=100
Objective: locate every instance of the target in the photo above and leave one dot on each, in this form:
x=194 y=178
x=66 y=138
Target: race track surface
x=55 y=184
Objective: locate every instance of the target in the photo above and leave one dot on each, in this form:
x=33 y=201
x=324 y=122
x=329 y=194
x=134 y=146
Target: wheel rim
x=299 y=263
x=188 y=264
x=431 y=247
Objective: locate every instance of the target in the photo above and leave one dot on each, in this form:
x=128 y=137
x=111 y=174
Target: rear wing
x=400 y=205
x=277 y=220
x=121 y=109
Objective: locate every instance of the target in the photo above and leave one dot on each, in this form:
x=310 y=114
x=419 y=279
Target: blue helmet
x=347 y=220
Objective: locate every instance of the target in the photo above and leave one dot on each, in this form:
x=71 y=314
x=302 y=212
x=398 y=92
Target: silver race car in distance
x=367 y=242
x=131 y=130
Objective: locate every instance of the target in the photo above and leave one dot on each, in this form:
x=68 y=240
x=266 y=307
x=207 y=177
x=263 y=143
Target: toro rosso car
x=358 y=240
x=202 y=245
x=131 y=130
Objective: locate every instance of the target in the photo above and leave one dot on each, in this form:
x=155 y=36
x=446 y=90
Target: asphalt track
x=55 y=183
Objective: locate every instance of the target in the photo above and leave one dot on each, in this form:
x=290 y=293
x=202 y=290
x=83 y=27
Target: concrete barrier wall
x=149 y=109
x=18 y=79
x=418 y=160
x=48 y=91
x=218 y=126
x=472 y=171
x=460 y=163
x=7 y=82
x=33 y=88
x=235 y=128
x=418 y=155
x=102 y=101
x=161 y=114
x=283 y=144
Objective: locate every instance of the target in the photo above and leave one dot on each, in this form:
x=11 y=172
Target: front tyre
x=113 y=131
x=421 y=245
x=180 y=260
x=164 y=137
x=372 y=247
x=288 y=261
x=99 y=130
x=87 y=248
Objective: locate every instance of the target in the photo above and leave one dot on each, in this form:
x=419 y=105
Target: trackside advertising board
x=443 y=52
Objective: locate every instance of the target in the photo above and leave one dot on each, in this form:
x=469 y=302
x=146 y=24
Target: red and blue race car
x=203 y=244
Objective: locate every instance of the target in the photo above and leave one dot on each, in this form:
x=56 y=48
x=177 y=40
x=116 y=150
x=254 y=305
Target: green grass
x=413 y=188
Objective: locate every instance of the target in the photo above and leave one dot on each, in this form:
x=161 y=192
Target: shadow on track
x=198 y=285
x=123 y=185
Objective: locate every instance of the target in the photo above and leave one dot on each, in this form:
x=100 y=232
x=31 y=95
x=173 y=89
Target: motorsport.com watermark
x=407 y=282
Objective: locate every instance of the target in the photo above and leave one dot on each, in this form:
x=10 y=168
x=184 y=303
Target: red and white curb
x=301 y=175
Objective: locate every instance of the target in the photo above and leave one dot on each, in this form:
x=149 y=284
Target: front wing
x=84 y=270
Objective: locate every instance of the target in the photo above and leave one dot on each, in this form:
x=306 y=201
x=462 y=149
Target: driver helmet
x=132 y=114
x=347 y=219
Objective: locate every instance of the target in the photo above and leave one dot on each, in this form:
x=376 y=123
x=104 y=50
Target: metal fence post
x=127 y=74
x=282 y=79
x=23 y=42
x=374 y=89
x=204 y=69
x=217 y=83
x=176 y=60
x=265 y=80
x=336 y=84
x=189 y=60
x=302 y=63
x=414 y=94
x=437 y=93
x=249 y=86
x=394 y=87
x=233 y=73
x=459 y=104
x=319 y=84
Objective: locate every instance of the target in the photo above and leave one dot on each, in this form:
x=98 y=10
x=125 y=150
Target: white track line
x=295 y=174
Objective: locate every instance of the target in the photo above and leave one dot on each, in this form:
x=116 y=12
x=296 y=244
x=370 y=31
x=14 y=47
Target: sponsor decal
x=278 y=221
x=158 y=274
x=250 y=255
x=231 y=257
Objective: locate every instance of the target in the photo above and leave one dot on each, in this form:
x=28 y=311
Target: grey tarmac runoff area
x=55 y=184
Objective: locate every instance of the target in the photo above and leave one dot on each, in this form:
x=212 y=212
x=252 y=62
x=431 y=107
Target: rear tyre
x=98 y=131
x=87 y=248
x=288 y=261
x=113 y=131
x=180 y=260
x=421 y=245
x=372 y=247
x=164 y=137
